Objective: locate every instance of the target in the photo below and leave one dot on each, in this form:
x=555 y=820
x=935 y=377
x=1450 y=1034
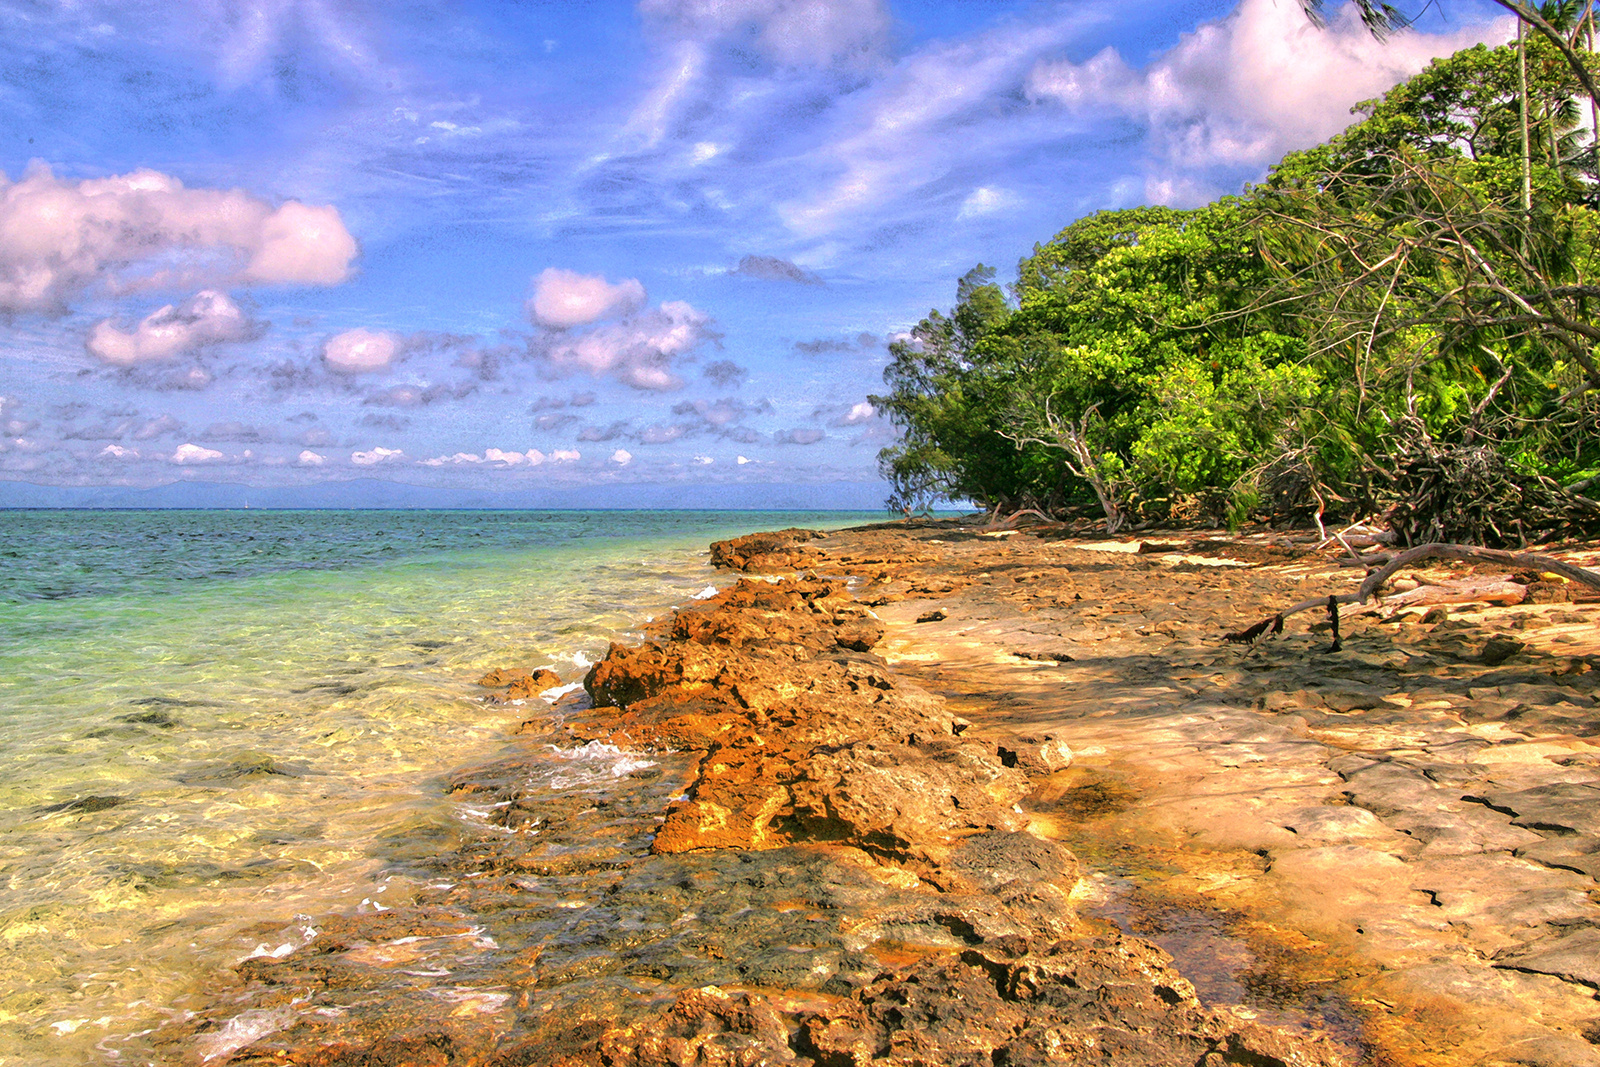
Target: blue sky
x=522 y=244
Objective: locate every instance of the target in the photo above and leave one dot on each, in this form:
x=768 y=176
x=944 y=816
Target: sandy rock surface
x=1399 y=838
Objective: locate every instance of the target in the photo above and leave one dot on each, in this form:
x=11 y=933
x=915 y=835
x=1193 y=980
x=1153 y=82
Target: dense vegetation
x=1390 y=324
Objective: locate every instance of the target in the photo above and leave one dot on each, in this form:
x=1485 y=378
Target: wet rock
x=1034 y=754
x=991 y=861
x=705 y=1027
x=1105 y=1001
x=240 y=769
x=759 y=553
x=84 y=805
x=907 y=800
x=157 y=717
x=936 y=615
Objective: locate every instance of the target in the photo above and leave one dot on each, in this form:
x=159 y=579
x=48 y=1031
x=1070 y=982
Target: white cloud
x=358 y=351
x=565 y=455
x=533 y=457
x=741 y=460
x=622 y=457
x=1252 y=86
x=146 y=230
x=985 y=200
x=704 y=461
x=456 y=460
x=118 y=452
x=639 y=350
x=793 y=32
x=376 y=456
x=207 y=318
x=192 y=453
x=564 y=298
x=309 y=458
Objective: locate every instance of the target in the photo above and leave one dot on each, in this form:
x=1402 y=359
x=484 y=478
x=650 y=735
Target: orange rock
x=521 y=684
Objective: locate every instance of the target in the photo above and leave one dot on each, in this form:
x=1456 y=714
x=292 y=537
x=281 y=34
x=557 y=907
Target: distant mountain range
x=376 y=493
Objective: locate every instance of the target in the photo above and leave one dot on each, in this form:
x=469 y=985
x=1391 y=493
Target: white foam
x=300 y=934
x=592 y=764
x=705 y=594
x=555 y=694
x=243 y=1029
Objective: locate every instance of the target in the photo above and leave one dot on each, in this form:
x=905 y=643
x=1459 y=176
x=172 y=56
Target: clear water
x=214 y=720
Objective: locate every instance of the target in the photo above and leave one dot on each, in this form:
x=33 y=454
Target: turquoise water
x=215 y=720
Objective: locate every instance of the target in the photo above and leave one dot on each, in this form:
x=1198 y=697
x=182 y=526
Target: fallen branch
x=1480 y=591
x=1398 y=560
x=1007 y=522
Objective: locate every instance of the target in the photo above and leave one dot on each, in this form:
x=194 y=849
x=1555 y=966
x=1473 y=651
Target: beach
x=929 y=792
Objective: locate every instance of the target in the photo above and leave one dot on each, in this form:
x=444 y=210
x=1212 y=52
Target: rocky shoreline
x=896 y=792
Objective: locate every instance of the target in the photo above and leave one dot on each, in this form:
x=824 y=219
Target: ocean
x=216 y=720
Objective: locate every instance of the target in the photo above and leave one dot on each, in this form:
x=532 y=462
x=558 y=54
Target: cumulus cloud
x=118 y=452
x=844 y=415
x=504 y=459
x=725 y=372
x=359 y=351
x=376 y=456
x=1246 y=89
x=207 y=318
x=792 y=32
x=193 y=453
x=532 y=457
x=563 y=299
x=145 y=229
x=721 y=416
x=639 y=350
x=309 y=458
x=622 y=457
x=457 y=460
x=773 y=269
x=662 y=433
x=565 y=455
x=594 y=434
x=550 y=422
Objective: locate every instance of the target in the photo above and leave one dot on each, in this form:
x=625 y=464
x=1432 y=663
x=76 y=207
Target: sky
x=578 y=243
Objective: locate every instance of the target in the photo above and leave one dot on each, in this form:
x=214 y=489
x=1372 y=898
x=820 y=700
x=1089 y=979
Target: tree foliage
x=1380 y=305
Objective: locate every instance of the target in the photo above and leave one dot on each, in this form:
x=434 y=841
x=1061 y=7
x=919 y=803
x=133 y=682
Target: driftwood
x=1398 y=560
x=1472 y=591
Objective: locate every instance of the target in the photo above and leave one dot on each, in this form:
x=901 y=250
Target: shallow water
x=211 y=721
